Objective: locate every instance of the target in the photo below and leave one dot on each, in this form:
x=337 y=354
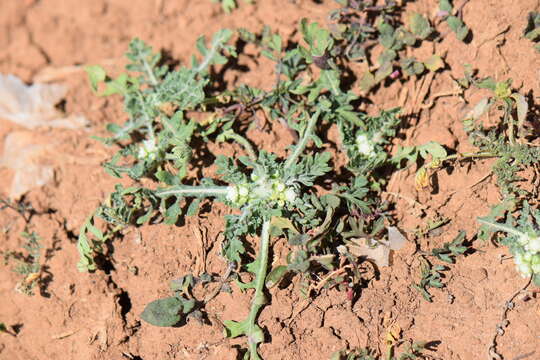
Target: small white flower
x=243 y=190
x=232 y=194
x=290 y=195
x=148 y=150
x=534 y=245
x=279 y=186
x=365 y=146
x=525 y=269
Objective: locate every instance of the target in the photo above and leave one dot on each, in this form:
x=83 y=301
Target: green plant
x=272 y=195
x=359 y=25
x=230 y=5
x=523 y=240
x=454 y=21
x=432 y=275
x=28 y=265
x=532 y=30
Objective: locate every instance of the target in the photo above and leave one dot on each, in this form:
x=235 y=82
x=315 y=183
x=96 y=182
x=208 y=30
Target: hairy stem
x=194 y=191
x=244 y=142
x=501 y=227
x=259 y=298
x=303 y=141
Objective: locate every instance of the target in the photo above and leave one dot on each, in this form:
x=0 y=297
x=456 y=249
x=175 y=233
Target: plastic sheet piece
x=33 y=106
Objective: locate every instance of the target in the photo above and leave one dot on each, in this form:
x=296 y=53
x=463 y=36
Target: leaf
x=522 y=108
x=433 y=148
x=283 y=223
x=168 y=311
x=367 y=81
x=275 y=276
x=445 y=5
x=420 y=26
x=233 y=248
x=96 y=75
x=434 y=63
x=172 y=213
x=458 y=27
x=383 y=72
x=212 y=55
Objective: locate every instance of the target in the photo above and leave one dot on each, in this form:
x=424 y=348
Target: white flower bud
x=243 y=190
x=533 y=245
x=232 y=194
x=290 y=195
x=365 y=146
x=148 y=150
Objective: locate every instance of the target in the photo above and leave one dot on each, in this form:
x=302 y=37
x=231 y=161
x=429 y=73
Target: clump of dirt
x=97 y=316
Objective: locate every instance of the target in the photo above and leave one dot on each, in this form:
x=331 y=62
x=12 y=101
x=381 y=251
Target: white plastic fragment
x=26 y=158
x=32 y=106
x=378 y=251
x=396 y=239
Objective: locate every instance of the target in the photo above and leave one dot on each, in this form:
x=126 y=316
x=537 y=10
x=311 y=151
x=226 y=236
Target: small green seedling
x=230 y=5
x=27 y=265
x=432 y=275
x=454 y=21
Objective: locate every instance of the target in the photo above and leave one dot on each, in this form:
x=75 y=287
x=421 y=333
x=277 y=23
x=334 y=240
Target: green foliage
x=532 y=30
x=27 y=264
x=273 y=195
x=454 y=22
x=522 y=237
x=168 y=311
x=431 y=275
x=230 y=5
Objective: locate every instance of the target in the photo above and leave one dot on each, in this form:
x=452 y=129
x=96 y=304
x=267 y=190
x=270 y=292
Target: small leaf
x=275 y=276
x=458 y=27
x=167 y=311
x=383 y=72
x=234 y=328
x=434 y=63
x=445 y=5
x=421 y=179
x=522 y=108
x=420 y=26
x=367 y=81
x=96 y=75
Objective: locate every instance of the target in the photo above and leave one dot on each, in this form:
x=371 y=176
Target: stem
x=244 y=142
x=150 y=73
x=303 y=141
x=471 y=155
x=501 y=227
x=259 y=298
x=194 y=191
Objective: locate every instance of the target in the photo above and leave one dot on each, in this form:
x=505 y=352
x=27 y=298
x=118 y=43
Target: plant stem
x=259 y=298
x=194 y=191
x=244 y=142
x=150 y=73
x=303 y=141
x=501 y=227
x=471 y=155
